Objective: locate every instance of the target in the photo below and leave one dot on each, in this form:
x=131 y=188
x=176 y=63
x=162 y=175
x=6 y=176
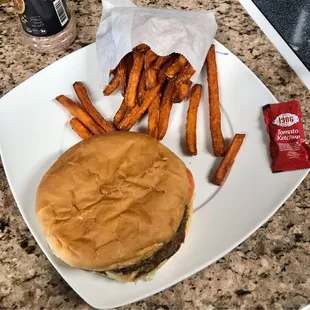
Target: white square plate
x=34 y=131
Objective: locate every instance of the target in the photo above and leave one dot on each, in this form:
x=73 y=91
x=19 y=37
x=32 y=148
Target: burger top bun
x=112 y=200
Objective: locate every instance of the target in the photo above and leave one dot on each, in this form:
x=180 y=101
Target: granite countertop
x=270 y=270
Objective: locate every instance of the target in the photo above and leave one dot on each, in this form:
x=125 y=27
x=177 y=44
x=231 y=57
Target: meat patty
x=147 y=265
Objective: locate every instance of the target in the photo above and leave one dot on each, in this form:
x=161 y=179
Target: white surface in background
x=285 y=50
x=34 y=131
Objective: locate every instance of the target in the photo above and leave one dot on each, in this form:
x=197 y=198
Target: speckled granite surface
x=271 y=270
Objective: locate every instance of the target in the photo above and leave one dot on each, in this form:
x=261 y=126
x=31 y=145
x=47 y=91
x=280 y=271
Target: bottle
x=47 y=25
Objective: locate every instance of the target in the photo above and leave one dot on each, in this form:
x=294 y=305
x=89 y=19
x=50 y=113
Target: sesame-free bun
x=112 y=201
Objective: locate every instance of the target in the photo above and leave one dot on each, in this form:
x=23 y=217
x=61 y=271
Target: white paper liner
x=123 y=26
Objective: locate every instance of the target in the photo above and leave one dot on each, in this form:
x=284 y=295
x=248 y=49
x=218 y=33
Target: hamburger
x=118 y=204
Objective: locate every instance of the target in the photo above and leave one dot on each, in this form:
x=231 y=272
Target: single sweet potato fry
x=134 y=115
x=80 y=114
x=141 y=48
x=182 y=60
x=114 y=83
x=80 y=128
x=191 y=124
x=153 y=116
x=151 y=78
x=160 y=62
x=165 y=109
x=122 y=73
x=176 y=67
x=129 y=63
x=186 y=74
x=149 y=58
x=141 y=88
x=134 y=78
x=118 y=117
x=86 y=103
x=184 y=89
x=218 y=142
x=228 y=160
x=176 y=97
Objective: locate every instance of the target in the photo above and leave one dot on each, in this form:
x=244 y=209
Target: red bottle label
x=288 y=148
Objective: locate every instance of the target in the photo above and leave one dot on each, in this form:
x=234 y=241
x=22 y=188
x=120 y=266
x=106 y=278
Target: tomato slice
x=191 y=182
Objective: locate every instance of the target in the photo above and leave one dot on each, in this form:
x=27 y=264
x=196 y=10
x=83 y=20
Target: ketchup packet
x=288 y=149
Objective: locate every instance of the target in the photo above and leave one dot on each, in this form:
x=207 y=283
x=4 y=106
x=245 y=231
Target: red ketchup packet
x=288 y=149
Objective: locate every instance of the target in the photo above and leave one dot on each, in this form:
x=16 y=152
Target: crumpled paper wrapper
x=123 y=26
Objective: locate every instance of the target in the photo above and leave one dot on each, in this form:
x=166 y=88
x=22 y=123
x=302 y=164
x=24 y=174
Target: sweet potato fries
x=218 y=142
x=86 y=103
x=80 y=114
x=165 y=109
x=134 y=78
x=150 y=83
x=229 y=159
x=153 y=116
x=80 y=129
x=191 y=125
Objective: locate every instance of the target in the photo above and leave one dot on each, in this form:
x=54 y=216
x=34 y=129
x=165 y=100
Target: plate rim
x=188 y=274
